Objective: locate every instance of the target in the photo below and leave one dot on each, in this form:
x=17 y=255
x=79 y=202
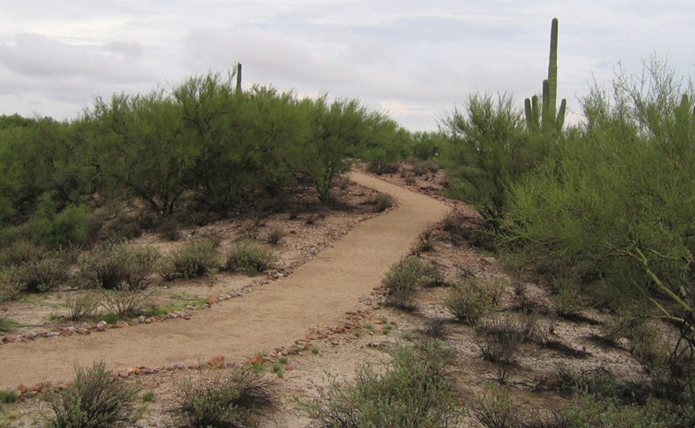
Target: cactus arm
x=560 y=120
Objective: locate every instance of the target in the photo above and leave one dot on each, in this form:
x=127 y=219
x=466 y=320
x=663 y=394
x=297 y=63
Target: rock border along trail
x=316 y=295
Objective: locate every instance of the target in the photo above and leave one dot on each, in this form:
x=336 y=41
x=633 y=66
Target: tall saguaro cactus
x=544 y=116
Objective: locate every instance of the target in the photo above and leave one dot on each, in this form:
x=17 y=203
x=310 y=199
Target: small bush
x=412 y=392
x=249 y=257
x=193 y=259
x=435 y=328
x=81 y=306
x=422 y=167
x=470 y=301
x=95 y=400
x=495 y=409
x=274 y=235
x=238 y=399
x=383 y=201
x=38 y=275
x=123 y=302
x=118 y=266
x=21 y=252
x=404 y=278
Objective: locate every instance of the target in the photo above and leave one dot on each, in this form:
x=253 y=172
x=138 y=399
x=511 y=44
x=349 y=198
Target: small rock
x=218 y=362
x=212 y=300
x=82 y=330
x=101 y=325
x=120 y=324
x=256 y=360
x=148 y=321
x=141 y=319
x=13 y=415
x=22 y=388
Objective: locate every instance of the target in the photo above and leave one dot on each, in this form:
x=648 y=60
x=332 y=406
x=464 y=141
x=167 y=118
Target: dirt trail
x=316 y=295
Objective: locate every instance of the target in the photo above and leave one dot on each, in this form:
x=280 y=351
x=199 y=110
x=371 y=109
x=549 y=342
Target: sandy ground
x=315 y=296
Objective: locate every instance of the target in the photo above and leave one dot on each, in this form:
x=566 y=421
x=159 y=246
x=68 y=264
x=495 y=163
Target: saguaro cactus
x=544 y=116
x=238 y=77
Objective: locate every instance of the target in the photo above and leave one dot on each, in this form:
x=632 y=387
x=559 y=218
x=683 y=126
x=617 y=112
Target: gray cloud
x=417 y=59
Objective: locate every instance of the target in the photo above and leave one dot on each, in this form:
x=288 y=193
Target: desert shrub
x=383 y=201
x=404 y=278
x=587 y=411
x=422 y=167
x=123 y=302
x=274 y=235
x=471 y=300
x=249 y=257
x=191 y=260
x=412 y=392
x=495 y=409
x=94 y=400
x=38 y=275
x=20 y=252
x=118 y=266
x=425 y=242
x=237 y=399
x=435 y=328
x=81 y=306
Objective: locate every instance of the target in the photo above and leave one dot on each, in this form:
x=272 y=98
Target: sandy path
x=316 y=295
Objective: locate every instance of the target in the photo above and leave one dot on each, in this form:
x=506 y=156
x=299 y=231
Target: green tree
x=140 y=147
x=339 y=130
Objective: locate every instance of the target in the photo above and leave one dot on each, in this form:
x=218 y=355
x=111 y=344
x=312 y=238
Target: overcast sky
x=413 y=59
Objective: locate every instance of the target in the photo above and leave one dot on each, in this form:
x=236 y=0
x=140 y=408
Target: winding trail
x=316 y=295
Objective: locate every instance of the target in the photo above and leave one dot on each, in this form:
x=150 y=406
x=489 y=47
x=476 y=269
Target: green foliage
x=58 y=229
x=118 y=266
x=250 y=257
x=489 y=149
x=8 y=397
x=404 y=278
x=193 y=259
x=616 y=204
x=339 y=130
x=412 y=392
x=140 y=147
x=238 y=399
x=7 y=324
x=94 y=400
x=425 y=145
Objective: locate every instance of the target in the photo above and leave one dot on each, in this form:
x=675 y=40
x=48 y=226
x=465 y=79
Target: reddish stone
x=212 y=300
x=256 y=360
x=288 y=368
x=22 y=388
x=120 y=324
x=217 y=362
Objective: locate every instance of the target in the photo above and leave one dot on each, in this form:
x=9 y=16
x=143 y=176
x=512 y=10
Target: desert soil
x=326 y=316
x=314 y=296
